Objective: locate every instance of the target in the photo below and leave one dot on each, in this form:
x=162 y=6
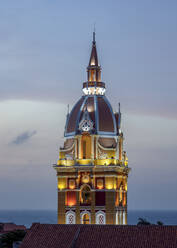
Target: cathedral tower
x=92 y=169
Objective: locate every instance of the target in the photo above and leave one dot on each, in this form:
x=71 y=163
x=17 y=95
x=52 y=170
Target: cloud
x=23 y=137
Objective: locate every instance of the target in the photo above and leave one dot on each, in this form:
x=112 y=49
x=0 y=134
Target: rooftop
x=86 y=236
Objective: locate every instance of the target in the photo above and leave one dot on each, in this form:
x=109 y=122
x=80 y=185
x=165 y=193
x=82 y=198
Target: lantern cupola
x=94 y=86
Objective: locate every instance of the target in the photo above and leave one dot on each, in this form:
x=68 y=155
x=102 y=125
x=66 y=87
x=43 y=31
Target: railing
x=97 y=162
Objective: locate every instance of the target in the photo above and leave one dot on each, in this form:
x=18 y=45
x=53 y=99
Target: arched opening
x=85 y=219
x=86 y=147
x=70 y=217
x=100 y=218
x=85 y=196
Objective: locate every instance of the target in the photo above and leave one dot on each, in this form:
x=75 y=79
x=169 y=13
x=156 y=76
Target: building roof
x=86 y=236
x=100 y=113
x=9 y=227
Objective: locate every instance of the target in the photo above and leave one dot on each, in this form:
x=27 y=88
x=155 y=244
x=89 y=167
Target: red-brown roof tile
x=8 y=227
x=90 y=236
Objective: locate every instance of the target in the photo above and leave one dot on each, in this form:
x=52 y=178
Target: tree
x=160 y=223
x=143 y=222
x=7 y=239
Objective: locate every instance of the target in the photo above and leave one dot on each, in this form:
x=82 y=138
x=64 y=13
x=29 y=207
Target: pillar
x=119 y=219
x=76 y=150
x=77 y=207
x=110 y=207
x=92 y=147
x=61 y=207
x=79 y=155
x=93 y=208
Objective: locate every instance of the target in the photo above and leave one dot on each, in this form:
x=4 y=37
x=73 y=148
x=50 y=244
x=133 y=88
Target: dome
x=98 y=110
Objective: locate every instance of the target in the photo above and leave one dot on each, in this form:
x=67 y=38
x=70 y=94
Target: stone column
x=117 y=149
x=123 y=217
x=110 y=207
x=78 y=207
x=93 y=221
x=79 y=139
x=76 y=155
x=92 y=147
x=119 y=217
x=61 y=207
x=96 y=147
x=120 y=148
x=126 y=217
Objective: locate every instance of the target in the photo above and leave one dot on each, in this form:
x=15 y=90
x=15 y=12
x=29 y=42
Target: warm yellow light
x=109 y=182
x=85 y=179
x=65 y=162
x=61 y=183
x=71 y=203
x=61 y=186
x=100 y=183
x=72 y=184
x=84 y=161
x=92 y=62
x=100 y=187
x=109 y=186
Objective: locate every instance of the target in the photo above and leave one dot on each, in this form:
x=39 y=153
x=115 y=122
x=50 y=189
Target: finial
x=94 y=33
x=119 y=106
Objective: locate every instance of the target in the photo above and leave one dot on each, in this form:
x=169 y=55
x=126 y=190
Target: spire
x=93 y=57
x=94 y=86
x=93 y=69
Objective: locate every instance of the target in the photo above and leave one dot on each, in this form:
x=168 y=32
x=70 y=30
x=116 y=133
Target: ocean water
x=27 y=217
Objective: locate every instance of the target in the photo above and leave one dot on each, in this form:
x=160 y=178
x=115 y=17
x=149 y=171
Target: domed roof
x=99 y=112
x=93 y=112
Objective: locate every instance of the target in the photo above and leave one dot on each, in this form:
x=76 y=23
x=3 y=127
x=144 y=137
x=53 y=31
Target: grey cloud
x=38 y=65
x=23 y=137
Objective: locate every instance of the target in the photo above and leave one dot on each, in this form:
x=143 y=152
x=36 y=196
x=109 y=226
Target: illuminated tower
x=92 y=169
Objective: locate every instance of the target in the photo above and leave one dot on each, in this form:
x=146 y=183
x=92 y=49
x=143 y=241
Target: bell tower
x=92 y=169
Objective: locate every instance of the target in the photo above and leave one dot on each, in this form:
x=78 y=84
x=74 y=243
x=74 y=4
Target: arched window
x=100 y=218
x=85 y=195
x=85 y=217
x=70 y=217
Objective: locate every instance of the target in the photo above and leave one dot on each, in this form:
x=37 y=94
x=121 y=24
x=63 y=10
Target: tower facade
x=92 y=169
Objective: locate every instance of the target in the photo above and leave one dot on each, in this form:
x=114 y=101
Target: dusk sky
x=44 y=51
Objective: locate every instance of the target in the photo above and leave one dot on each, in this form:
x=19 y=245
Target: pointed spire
x=93 y=57
x=94 y=86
